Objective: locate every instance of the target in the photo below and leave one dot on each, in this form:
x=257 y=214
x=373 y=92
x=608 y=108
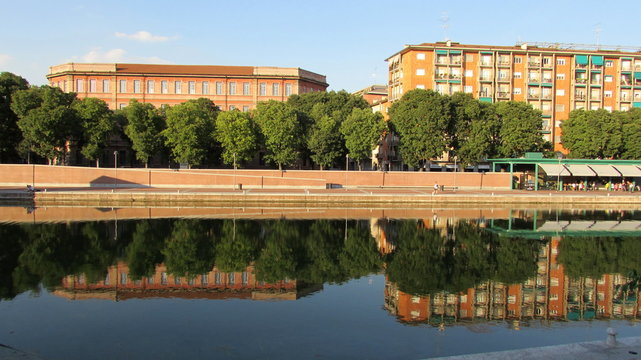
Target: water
x=375 y=288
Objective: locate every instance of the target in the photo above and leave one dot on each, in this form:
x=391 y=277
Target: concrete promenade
x=624 y=349
x=357 y=196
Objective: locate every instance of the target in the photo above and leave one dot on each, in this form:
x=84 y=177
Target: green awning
x=546 y=84
x=441 y=52
x=487 y=53
x=581 y=59
x=455 y=81
x=597 y=60
x=486 y=99
x=455 y=52
x=637 y=74
x=636 y=104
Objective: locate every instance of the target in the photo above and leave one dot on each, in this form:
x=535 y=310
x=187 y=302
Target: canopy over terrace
x=560 y=168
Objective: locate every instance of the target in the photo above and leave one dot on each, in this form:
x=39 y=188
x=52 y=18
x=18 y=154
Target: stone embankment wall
x=42 y=176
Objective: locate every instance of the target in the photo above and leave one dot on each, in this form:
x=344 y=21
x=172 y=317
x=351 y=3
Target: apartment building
x=229 y=87
x=554 y=78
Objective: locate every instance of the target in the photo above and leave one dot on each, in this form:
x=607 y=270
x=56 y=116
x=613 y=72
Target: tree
x=282 y=132
x=520 y=130
x=97 y=124
x=189 y=250
x=144 y=126
x=362 y=129
x=592 y=134
x=46 y=119
x=10 y=135
x=630 y=133
x=325 y=141
x=422 y=119
x=475 y=129
x=190 y=130
x=238 y=136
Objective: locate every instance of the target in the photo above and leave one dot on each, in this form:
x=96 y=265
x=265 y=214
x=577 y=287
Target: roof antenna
x=445 y=25
x=597 y=35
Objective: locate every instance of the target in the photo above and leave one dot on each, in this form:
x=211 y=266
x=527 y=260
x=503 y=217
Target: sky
x=347 y=41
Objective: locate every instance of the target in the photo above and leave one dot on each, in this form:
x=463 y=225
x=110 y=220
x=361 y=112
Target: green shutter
x=441 y=52
x=597 y=60
x=581 y=59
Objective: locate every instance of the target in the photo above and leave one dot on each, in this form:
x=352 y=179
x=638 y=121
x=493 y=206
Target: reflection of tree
x=359 y=256
x=323 y=245
x=426 y=262
x=58 y=250
x=594 y=256
x=189 y=250
x=238 y=246
x=278 y=260
x=144 y=251
x=11 y=239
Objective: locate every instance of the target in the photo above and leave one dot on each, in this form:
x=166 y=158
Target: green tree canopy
x=189 y=250
x=190 y=130
x=46 y=119
x=97 y=123
x=10 y=135
x=238 y=136
x=422 y=119
x=520 y=130
x=281 y=130
x=144 y=127
x=475 y=129
x=325 y=141
x=630 y=133
x=592 y=134
x=362 y=130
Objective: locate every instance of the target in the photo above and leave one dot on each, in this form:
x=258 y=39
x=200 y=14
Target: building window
x=177 y=280
x=469 y=73
x=560 y=61
x=192 y=87
x=607 y=93
x=121 y=106
x=608 y=78
x=232 y=88
x=79 y=85
x=178 y=87
x=560 y=92
x=560 y=76
x=232 y=107
x=150 y=86
x=468 y=89
x=517 y=91
x=245 y=108
x=123 y=86
x=93 y=86
x=164 y=87
x=231 y=279
x=517 y=75
x=518 y=59
x=163 y=278
x=420 y=86
x=262 y=89
x=469 y=57
x=205 y=87
x=420 y=72
x=246 y=88
x=560 y=107
x=420 y=56
x=137 y=86
x=105 y=86
x=288 y=89
x=609 y=63
x=204 y=280
x=245 y=278
x=217 y=279
x=276 y=89
x=219 y=87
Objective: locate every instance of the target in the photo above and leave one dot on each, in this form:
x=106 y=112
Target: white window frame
x=420 y=72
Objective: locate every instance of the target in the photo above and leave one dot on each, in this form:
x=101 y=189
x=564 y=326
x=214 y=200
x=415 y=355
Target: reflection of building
x=229 y=87
x=118 y=285
x=550 y=295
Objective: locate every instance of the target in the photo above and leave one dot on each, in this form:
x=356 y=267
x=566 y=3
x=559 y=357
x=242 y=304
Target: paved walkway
x=625 y=349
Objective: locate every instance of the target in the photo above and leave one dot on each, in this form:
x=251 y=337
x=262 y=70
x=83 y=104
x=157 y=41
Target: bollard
x=612 y=337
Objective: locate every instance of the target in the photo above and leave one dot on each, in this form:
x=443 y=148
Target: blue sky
x=348 y=41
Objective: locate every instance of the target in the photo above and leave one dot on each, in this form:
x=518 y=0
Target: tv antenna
x=597 y=35
x=445 y=24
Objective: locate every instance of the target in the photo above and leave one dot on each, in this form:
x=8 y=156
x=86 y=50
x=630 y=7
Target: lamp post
x=455 y=171
x=558 y=176
x=116 y=168
x=347 y=162
x=234 y=171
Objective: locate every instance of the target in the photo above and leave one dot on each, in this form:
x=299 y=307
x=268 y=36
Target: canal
x=85 y=283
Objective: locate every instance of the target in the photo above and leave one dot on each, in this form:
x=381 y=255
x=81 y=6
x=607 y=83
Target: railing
x=485 y=78
x=503 y=94
x=486 y=63
x=579 y=96
x=546 y=97
x=581 y=81
x=534 y=96
x=533 y=64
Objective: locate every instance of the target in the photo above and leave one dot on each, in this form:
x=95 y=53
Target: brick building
x=229 y=87
x=554 y=78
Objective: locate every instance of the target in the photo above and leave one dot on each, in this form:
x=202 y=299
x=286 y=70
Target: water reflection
x=439 y=270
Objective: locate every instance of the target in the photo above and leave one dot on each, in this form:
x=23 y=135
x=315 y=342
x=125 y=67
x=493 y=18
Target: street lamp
x=347 y=162
x=116 y=168
x=558 y=176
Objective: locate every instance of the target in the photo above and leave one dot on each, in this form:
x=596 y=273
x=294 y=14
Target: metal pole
x=234 y=171
x=116 y=168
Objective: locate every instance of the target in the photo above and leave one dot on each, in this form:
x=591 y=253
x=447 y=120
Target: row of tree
x=600 y=134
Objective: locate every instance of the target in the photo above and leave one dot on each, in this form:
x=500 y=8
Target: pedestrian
x=435 y=188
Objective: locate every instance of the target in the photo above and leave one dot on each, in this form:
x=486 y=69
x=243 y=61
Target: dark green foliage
x=10 y=135
x=144 y=251
x=325 y=142
x=238 y=135
x=594 y=134
x=520 y=129
x=189 y=250
x=362 y=130
x=239 y=245
x=282 y=132
x=144 y=126
x=98 y=123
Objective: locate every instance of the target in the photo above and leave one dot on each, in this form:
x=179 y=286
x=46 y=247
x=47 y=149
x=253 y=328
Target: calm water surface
x=378 y=288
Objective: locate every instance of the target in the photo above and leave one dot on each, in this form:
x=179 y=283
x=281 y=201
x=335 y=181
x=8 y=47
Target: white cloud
x=144 y=36
x=4 y=59
x=109 y=56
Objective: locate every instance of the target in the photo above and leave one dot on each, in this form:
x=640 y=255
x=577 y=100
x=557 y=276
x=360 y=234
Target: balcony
x=547 y=80
x=533 y=96
x=579 y=97
x=504 y=62
x=503 y=94
x=486 y=78
x=534 y=64
x=485 y=93
x=546 y=96
x=581 y=81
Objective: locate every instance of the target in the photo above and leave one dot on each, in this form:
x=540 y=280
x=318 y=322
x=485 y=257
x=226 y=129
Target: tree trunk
x=280 y=167
x=97 y=162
